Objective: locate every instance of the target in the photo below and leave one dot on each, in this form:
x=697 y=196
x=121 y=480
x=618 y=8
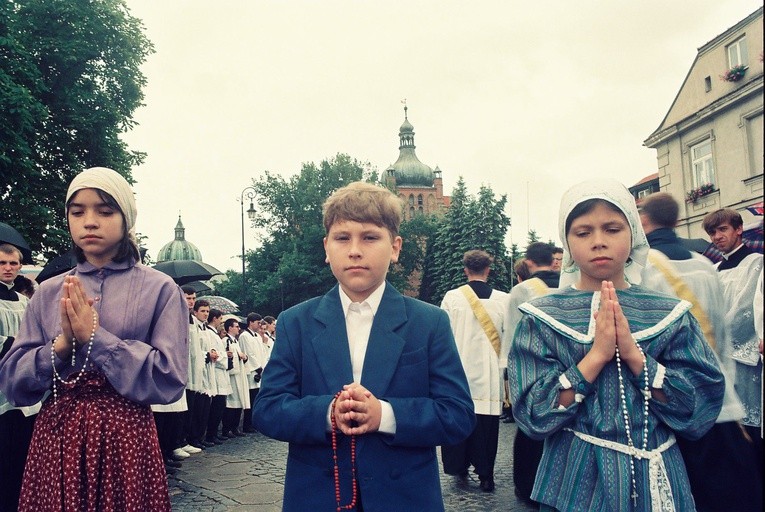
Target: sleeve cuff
x=656 y=369
x=387 y=419
x=573 y=379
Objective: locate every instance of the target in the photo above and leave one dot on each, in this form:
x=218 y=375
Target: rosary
x=646 y=392
x=352 y=504
x=56 y=376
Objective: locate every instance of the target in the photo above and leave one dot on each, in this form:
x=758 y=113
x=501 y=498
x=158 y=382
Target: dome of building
x=408 y=170
x=406 y=126
x=180 y=248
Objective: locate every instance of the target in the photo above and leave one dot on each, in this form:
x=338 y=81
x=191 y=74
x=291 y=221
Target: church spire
x=180 y=231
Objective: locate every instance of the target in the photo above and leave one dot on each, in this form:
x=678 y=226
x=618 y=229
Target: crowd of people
x=686 y=373
x=633 y=366
x=226 y=361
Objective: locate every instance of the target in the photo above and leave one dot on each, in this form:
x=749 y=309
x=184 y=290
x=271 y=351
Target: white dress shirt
x=358 y=325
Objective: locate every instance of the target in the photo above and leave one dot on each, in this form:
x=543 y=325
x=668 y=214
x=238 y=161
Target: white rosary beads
x=625 y=414
x=56 y=376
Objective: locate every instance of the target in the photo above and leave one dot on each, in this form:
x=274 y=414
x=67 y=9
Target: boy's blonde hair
x=364 y=202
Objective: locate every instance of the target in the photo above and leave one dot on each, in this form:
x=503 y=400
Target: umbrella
x=222 y=304
x=58 y=265
x=63 y=263
x=186 y=271
x=9 y=235
x=756 y=209
x=199 y=287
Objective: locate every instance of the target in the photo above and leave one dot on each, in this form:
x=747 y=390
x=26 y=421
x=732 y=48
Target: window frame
x=739 y=47
x=703 y=160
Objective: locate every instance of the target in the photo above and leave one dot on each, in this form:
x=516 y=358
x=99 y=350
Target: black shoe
x=239 y=433
x=207 y=444
x=227 y=435
x=487 y=484
x=170 y=470
x=172 y=463
x=195 y=444
x=462 y=476
x=220 y=439
x=509 y=419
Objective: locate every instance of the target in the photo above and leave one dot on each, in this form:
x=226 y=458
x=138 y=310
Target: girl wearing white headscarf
x=108 y=339
x=606 y=371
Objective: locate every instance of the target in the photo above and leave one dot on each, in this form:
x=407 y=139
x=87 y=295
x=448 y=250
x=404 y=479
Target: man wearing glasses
x=15 y=423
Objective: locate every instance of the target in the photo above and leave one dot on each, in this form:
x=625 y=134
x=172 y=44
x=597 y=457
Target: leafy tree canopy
x=289 y=266
x=70 y=82
x=469 y=223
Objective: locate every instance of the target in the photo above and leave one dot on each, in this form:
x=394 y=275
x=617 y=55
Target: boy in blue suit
x=363 y=382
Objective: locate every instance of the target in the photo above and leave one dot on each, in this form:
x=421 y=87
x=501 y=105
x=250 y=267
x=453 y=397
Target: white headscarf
x=113 y=184
x=616 y=194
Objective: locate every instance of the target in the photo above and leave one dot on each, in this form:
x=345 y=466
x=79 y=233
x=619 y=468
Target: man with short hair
x=194 y=388
x=721 y=463
x=543 y=279
x=239 y=398
x=16 y=423
x=478 y=317
x=557 y=259
x=738 y=271
x=252 y=345
x=219 y=374
x=208 y=386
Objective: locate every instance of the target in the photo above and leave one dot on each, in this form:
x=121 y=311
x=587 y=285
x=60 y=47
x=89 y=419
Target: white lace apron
x=661 y=491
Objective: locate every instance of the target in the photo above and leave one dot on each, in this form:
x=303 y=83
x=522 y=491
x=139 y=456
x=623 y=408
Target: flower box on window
x=734 y=74
x=697 y=193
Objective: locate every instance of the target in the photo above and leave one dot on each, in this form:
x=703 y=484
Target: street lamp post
x=281 y=292
x=250 y=193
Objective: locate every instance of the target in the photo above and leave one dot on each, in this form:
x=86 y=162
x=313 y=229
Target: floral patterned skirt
x=94 y=450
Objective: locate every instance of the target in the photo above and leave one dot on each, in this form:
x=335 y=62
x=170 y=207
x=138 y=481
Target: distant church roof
x=180 y=248
x=408 y=169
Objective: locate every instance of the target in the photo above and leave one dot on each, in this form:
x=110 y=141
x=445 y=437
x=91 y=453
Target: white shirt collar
x=7 y=285
x=726 y=256
x=373 y=301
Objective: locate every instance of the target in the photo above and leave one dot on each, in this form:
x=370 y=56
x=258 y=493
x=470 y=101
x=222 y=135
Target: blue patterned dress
x=575 y=475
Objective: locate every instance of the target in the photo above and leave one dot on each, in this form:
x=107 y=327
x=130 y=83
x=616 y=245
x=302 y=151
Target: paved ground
x=247 y=474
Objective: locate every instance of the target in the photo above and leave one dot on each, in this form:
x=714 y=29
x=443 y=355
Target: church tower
x=180 y=248
x=420 y=187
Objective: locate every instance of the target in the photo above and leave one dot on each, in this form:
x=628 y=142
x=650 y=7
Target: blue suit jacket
x=411 y=362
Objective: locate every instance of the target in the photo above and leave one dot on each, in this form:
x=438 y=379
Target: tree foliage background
x=70 y=82
x=470 y=222
x=288 y=267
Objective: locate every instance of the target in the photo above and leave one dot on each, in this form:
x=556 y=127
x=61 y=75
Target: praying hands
x=357 y=410
x=79 y=321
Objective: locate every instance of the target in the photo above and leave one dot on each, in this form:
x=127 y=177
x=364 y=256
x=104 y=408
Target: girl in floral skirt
x=102 y=342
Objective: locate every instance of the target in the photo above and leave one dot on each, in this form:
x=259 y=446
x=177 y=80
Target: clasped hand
x=77 y=317
x=357 y=410
x=613 y=330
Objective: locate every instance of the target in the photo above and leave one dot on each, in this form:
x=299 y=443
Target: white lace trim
x=680 y=309
x=565 y=329
x=660 y=488
x=658 y=379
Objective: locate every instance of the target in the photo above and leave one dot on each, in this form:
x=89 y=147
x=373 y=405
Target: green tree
x=70 y=82
x=417 y=234
x=531 y=237
x=289 y=266
x=469 y=223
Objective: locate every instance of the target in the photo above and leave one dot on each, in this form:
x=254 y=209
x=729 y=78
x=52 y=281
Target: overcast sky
x=527 y=97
